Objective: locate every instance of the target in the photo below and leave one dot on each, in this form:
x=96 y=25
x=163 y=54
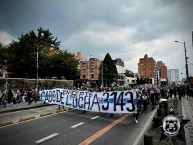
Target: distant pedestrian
x=152 y=97
x=189 y=92
x=23 y=93
x=3 y=98
x=175 y=92
x=180 y=93
x=14 y=98
x=59 y=107
x=34 y=95
x=10 y=96
x=171 y=92
x=29 y=96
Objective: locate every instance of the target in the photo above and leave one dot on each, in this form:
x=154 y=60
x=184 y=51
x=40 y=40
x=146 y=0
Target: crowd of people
x=147 y=97
x=13 y=96
x=152 y=95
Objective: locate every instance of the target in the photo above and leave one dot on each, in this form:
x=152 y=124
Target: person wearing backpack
x=144 y=99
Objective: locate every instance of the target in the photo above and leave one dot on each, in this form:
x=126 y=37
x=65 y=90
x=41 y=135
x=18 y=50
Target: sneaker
x=136 y=121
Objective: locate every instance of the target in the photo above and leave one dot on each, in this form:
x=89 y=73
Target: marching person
x=138 y=107
x=59 y=107
x=144 y=99
x=171 y=92
x=10 y=96
x=3 y=98
x=152 y=96
x=29 y=95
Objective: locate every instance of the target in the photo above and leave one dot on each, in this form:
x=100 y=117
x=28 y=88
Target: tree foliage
x=4 y=54
x=52 y=62
x=109 y=70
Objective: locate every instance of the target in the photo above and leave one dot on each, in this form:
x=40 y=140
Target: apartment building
x=162 y=68
x=90 y=71
x=79 y=56
x=173 y=75
x=121 y=71
x=147 y=67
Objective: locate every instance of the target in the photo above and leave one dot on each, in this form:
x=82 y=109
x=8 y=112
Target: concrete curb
x=5 y=123
x=25 y=108
x=46 y=114
x=25 y=118
x=60 y=110
x=139 y=139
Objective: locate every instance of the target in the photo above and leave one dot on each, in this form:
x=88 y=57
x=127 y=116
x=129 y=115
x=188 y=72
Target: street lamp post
x=37 y=57
x=102 y=73
x=186 y=58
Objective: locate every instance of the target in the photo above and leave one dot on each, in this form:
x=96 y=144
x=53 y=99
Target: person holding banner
x=59 y=107
x=138 y=107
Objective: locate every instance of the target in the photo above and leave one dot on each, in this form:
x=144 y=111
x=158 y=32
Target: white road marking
x=74 y=126
x=95 y=117
x=46 y=138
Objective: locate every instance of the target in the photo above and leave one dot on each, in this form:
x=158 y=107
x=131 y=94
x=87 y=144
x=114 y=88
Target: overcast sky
x=126 y=29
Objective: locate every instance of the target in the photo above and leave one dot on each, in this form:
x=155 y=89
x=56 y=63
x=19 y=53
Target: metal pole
x=186 y=64
x=187 y=74
x=157 y=76
x=102 y=73
x=37 y=70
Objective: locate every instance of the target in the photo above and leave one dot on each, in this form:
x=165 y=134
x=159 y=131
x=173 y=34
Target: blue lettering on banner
x=108 y=102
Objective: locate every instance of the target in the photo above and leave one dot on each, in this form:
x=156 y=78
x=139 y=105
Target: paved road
x=73 y=127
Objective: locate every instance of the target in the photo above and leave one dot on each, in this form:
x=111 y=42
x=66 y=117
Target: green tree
x=63 y=64
x=4 y=53
x=22 y=62
x=109 y=70
x=52 y=61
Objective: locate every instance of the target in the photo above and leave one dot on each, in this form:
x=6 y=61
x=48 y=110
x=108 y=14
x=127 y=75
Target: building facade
x=120 y=70
x=146 y=67
x=162 y=68
x=173 y=75
x=90 y=71
x=79 y=56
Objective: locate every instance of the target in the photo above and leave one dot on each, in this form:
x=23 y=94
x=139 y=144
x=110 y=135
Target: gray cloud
x=126 y=29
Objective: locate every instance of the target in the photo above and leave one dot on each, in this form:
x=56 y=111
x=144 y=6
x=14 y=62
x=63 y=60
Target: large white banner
x=107 y=102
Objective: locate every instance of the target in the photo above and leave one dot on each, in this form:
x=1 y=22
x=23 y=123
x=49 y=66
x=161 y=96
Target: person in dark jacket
x=10 y=96
x=29 y=96
x=152 y=96
x=171 y=92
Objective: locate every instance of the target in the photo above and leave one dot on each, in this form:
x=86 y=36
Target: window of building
x=83 y=64
x=92 y=70
x=83 y=76
x=92 y=76
x=92 y=63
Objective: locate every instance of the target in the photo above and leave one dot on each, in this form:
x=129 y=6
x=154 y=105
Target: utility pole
x=186 y=62
x=186 y=58
x=37 y=65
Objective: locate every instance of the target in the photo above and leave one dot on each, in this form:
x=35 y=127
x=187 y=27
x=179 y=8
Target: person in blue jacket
x=138 y=107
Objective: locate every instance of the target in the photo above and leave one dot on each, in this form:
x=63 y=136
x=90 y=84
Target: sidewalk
x=184 y=110
x=21 y=106
x=187 y=112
